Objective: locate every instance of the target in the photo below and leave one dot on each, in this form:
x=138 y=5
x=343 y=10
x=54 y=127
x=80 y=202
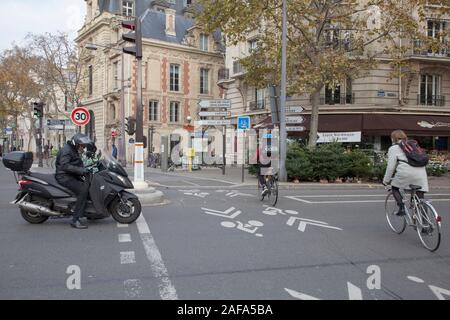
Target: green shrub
x=436 y=169
x=356 y=165
x=298 y=163
x=378 y=170
x=328 y=161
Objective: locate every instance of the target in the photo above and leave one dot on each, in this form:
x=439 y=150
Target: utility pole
x=38 y=108
x=283 y=135
x=122 y=151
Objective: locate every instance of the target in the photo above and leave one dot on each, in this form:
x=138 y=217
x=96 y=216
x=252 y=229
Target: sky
x=20 y=17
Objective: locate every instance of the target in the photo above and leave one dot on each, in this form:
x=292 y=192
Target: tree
x=18 y=87
x=328 y=40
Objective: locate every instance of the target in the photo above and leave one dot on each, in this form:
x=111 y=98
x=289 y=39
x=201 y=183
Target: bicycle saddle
x=414 y=187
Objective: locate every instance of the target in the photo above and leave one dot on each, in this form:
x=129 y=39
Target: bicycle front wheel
x=429 y=228
x=273 y=192
x=395 y=222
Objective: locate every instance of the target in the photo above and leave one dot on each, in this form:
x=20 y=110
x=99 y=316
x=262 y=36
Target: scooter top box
x=19 y=161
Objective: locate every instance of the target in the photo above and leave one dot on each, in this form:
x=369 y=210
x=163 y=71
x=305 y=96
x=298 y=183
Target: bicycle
x=272 y=189
x=420 y=215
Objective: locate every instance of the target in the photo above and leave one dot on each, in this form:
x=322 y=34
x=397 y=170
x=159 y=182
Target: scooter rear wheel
x=125 y=213
x=33 y=218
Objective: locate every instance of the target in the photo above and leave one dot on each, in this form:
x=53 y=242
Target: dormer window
x=128 y=8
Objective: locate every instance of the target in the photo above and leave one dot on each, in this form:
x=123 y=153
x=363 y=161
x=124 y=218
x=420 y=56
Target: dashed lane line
x=166 y=289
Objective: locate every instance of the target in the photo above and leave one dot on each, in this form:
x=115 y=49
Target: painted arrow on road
x=223 y=214
x=304 y=222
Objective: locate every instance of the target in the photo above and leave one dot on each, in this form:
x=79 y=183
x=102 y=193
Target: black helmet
x=80 y=139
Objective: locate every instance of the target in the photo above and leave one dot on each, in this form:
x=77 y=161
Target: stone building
x=374 y=104
x=180 y=67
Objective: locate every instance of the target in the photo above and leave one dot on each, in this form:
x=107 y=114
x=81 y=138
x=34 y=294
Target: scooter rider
x=70 y=173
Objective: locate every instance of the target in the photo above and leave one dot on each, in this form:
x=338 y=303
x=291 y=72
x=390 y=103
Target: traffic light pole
x=122 y=151
x=139 y=180
x=39 y=146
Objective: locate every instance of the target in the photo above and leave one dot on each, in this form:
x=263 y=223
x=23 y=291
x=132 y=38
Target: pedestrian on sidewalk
x=114 y=151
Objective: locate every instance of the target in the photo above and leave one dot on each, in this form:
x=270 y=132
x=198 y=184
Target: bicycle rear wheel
x=273 y=192
x=395 y=222
x=429 y=229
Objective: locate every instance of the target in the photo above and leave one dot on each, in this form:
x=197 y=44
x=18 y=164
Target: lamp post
x=190 y=153
x=283 y=135
x=122 y=145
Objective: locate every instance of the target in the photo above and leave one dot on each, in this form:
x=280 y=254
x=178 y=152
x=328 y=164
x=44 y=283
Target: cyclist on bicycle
x=263 y=166
x=400 y=175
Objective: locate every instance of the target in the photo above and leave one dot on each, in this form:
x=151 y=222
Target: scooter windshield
x=113 y=165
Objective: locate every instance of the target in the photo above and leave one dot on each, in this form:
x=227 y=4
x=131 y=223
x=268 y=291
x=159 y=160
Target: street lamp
x=122 y=150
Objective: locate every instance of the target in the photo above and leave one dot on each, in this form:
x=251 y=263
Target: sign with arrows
x=212 y=123
x=214 y=114
x=294 y=109
x=296 y=129
x=328 y=137
x=205 y=104
x=295 y=120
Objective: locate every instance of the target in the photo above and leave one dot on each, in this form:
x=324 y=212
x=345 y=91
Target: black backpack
x=416 y=156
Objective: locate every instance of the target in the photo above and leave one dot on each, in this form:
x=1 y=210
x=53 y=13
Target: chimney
x=170 y=22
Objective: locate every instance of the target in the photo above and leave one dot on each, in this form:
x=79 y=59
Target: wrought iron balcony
x=257 y=105
x=224 y=74
x=420 y=49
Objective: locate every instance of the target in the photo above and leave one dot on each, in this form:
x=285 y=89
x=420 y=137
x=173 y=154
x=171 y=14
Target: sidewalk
x=233 y=175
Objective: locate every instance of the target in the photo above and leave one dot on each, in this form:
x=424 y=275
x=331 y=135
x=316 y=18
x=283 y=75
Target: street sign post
x=295 y=120
x=243 y=122
x=214 y=114
x=295 y=129
x=212 y=123
x=80 y=116
x=205 y=104
x=294 y=109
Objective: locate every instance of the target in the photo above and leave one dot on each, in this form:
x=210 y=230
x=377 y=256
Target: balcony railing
x=421 y=49
x=257 y=105
x=438 y=101
x=342 y=99
x=224 y=74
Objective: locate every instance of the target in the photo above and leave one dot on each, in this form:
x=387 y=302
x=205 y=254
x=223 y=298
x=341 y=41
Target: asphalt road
x=215 y=241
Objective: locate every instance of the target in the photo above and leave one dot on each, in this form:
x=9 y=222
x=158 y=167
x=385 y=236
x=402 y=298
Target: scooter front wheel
x=125 y=212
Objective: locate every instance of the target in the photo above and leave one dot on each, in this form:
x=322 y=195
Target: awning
x=374 y=124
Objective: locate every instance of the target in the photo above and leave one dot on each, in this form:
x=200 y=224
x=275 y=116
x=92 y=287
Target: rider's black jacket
x=69 y=162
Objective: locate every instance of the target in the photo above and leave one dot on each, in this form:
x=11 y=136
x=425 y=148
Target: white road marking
x=354 y=293
x=415 y=279
x=133 y=288
x=191 y=183
x=127 y=257
x=124 y=237
x=362 y=195
x=300 y=295
x=120 y=225
x=297 y=198
x=304 y=222
x=223 y=214
x=166 y=289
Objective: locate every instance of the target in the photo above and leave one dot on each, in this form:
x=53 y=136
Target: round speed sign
x=80 y=116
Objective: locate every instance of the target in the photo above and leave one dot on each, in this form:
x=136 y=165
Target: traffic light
x=134 y=37
x=130 y=126
x=38 y=108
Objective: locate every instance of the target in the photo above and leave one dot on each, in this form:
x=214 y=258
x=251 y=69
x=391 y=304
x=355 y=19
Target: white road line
x=127 y=257
x=299 y=295
x=119 y=225
x=191 y=183
x=133 y=288
x=124 y=237
x=166 y=289
x=354 y=293
x=352 y=201
x=361 y=195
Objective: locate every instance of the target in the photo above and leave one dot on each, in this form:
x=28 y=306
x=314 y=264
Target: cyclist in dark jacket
x=70 y=173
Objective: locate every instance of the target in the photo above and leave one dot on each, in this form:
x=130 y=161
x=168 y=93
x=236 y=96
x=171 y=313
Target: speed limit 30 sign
x=80 y=116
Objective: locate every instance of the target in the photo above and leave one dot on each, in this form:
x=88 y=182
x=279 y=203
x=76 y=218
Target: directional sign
x=339 y=137
x=295 y=120
x=296 y=129
x=80 y=116
x=294 y=109
x=243 y=122
x=213 y=123
x=214 y=114
x=204 y=104
x=9 y=131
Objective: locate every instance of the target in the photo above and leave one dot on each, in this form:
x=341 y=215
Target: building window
x=174 y=111
x=153 y=111
x=436 y=30
x=66 y=100
x=128 y=8
x=91 y=80
x=341 y=93
x=430 y=90
x=252 y=45
x=174 y=77
x=259 y=96
x=115 y=75
x=204 y=42
x=204 y=82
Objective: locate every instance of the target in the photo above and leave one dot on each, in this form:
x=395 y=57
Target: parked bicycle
x=420 y=215
x=272 y=189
